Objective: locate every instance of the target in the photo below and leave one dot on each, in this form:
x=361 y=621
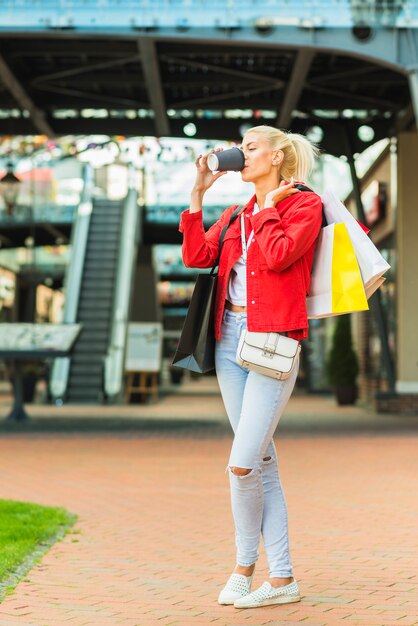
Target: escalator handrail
x=73 y=279
x=128 y=246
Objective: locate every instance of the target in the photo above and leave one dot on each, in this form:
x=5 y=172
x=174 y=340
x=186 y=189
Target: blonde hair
x=299 y=152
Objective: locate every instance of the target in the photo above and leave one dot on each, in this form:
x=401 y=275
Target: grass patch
x=27 y=531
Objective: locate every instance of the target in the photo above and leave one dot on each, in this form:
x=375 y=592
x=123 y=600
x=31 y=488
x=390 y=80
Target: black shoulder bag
x=196 y=347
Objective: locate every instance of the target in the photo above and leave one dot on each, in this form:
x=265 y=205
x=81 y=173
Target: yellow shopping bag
x=336 y=283
x=348 y=292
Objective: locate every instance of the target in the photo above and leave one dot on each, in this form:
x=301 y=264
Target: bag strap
x=303 y=187
x=306 y=188
x=222 y=236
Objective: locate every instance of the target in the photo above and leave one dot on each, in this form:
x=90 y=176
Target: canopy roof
x=65 y=83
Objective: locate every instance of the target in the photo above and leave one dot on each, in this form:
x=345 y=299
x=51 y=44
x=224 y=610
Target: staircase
x=85 y=383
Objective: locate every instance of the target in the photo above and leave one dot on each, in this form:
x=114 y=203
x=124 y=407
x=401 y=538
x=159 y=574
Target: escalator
x=95 y=308
x=98 y=289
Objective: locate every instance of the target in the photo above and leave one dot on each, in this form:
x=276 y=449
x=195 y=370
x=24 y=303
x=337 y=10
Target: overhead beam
x=154 y=86
x=295 y=87
x=388 y=49
x=219 y=69
x=84 y=69
x=204 y=100
x=92 y=97
x=24 y=101
x=360 y=98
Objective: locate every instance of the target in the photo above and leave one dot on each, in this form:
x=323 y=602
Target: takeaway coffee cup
x=232 y=159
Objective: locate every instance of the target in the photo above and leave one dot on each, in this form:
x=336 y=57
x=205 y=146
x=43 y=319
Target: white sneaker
x=237 y=586
x=266 y=594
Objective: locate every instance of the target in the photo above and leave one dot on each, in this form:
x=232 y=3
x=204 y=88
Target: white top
x=236 y=292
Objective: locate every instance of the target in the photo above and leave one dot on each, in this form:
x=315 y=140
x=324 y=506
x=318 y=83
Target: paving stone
x=155 y=541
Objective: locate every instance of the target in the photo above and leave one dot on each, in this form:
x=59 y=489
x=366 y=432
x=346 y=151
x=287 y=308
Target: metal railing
x=182 y=14
x=79 y=236
x=60 y=214
x=114 y=361
x=48 y=213
x=164 y=214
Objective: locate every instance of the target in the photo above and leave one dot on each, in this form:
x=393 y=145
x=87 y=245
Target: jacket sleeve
x=200 y=248
x=284 y=240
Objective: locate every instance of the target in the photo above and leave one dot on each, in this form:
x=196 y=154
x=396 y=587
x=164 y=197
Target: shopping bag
x=196 y=348
x=371 y=262
x=336 y=282
x=374 y=286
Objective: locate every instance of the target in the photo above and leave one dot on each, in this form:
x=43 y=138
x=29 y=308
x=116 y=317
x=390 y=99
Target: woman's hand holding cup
x=204 y=176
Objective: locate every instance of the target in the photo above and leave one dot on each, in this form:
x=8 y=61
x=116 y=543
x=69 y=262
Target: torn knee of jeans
x=243 y=472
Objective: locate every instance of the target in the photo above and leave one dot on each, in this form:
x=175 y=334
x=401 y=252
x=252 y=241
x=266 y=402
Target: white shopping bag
x=336 y=282
x=374 y=286
x=371 y=262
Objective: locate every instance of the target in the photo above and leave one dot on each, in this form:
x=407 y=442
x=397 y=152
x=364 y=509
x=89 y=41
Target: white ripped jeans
x=254 y=404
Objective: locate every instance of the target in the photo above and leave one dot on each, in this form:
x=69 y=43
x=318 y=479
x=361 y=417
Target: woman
x=263 y=288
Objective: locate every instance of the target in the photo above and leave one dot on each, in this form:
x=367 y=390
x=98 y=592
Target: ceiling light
x=190 y=129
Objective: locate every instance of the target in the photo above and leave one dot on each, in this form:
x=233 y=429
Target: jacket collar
x=250 y=204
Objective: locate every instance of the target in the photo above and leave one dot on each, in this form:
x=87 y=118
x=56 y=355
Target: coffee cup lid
x=213 y=162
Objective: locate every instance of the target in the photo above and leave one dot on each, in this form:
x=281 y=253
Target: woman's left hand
x=284 y=190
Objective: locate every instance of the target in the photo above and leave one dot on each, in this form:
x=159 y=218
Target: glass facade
x=371 y=350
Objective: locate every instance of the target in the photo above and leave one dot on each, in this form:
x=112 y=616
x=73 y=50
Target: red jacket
x=279 y=260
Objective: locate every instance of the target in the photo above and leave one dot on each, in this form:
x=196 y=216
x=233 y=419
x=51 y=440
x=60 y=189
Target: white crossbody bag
x=271 y=354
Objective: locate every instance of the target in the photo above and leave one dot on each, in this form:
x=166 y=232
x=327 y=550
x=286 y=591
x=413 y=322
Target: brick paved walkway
x=155 y=537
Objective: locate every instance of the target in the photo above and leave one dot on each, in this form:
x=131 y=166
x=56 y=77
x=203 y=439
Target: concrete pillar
x=407 y=270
